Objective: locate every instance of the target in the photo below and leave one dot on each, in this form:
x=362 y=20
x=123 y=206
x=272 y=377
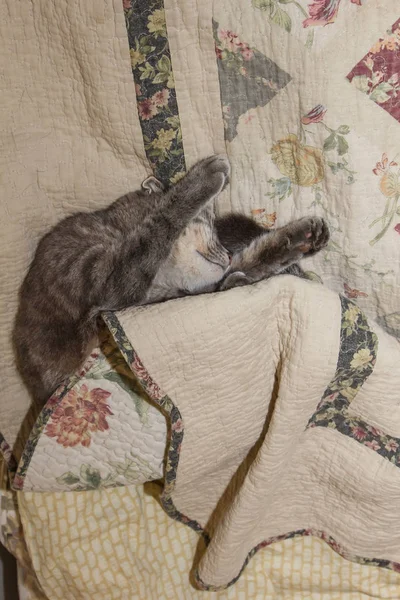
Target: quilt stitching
x=357 y=339
x=78 y=413
x=247 y=78
x=175 y=434
x=42 y=420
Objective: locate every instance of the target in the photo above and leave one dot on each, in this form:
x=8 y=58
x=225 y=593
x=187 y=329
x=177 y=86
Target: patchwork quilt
x=303 y=98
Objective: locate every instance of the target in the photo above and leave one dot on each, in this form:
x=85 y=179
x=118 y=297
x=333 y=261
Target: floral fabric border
x=42 y=420
x=176 y=423
x=357 y=356
x=356 y=362
x=7 y=454
x=98 y=430
x=155 y=88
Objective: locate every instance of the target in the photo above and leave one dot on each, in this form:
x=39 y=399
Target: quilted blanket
x=282 y=424
x=303 y=97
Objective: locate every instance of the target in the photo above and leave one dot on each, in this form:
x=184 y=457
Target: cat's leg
x=172 y=213
x=236 y=279
x=276 y=251
x=152 y=240
x=202 y=184
x=236 y=231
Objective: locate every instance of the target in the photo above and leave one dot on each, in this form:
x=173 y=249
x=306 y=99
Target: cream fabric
x=247 y=390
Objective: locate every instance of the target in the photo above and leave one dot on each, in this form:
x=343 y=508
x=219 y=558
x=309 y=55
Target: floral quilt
x=292 y=419
x=98 y=430
x=303 y=96
x=309 y=129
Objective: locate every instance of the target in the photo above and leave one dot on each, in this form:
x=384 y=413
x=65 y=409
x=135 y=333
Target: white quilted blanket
x=282 y=423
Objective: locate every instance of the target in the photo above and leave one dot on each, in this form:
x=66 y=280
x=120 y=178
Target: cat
x=147 y=246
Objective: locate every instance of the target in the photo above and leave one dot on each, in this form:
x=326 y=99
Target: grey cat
x=148 y=246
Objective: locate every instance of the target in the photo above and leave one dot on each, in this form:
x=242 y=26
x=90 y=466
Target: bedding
x=155 y=554
x=303 y=98
x=282 y=424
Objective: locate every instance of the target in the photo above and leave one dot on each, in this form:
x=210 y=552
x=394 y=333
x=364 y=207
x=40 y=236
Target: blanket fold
x=269 y=437
x=280 y=423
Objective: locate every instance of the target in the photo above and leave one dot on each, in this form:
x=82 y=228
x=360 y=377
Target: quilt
x=303 y=97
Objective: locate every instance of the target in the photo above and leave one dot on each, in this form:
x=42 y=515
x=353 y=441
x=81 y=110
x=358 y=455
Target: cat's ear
x=151 y=184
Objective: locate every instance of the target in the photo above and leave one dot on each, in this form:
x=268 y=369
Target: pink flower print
x=323 y=12
x=353 y=292
x=161 y=98
x=147 y=109
x=383 y=165
x=336 y=547
x=374 y=431
x=391 y=446
x=230 y=40
x=247 y=53
x=177 y=426
x=223 y=34
x=248 y=118
x=373 y=445
x=359 y=433
x=80 y=413
x=150 y=386
x=315 y=115
x=395 y=567
x=18 y=482
x=397 y=228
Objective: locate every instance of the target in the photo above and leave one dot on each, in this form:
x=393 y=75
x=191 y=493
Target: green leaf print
x=331 y=142
x=90 y=476
x=379 y=94
x=343 y=146
x=68 y=478
x=361 y=83
x=281 y=18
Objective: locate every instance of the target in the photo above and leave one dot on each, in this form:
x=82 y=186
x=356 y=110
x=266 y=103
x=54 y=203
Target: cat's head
x=197 y=261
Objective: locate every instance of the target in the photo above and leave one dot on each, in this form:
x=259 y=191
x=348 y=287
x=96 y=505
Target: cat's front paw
x=307 y=235
x=317 y=235
x=215 y=169
x=235 y=279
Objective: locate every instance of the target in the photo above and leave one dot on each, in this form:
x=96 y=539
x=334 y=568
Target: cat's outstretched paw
x=215 y=169
x=317 y=235
x=308 y=235
x=235 y=279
